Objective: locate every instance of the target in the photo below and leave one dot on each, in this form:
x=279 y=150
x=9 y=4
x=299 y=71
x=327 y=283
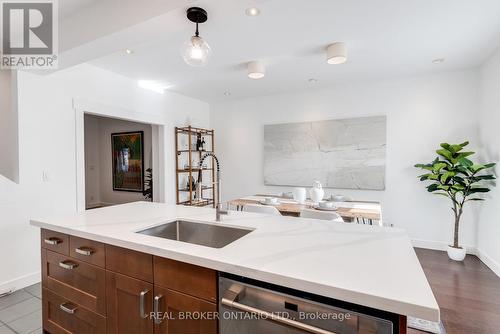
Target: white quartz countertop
x=367 y=265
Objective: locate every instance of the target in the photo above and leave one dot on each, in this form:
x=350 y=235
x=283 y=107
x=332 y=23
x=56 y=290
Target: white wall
x=489 y=223
x=98 y=162
x=421 y=113
x=47 y=144
x=9 y=146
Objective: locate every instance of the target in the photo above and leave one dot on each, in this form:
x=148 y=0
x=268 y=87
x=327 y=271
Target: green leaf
x=485 y=177
x=465 y=143
x=455 y=148
x=433 y=187
x=441 y=194
x=465 y=154
x=478 y=190
x=446 y=146
x=437 y=167
x=476 y=168
x=446 y=154
x=424 y=177
x=465 y=162
x=424 y=166
x=447 y=176
x=490 y=165
x=443 y=187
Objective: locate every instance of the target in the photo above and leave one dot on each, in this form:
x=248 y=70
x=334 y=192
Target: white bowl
x=270 y=200
x=325 y=204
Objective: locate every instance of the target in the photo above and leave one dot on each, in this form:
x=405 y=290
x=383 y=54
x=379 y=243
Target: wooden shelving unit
x=187 y=159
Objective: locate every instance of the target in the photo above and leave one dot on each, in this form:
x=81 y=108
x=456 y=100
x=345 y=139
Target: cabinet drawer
x=75 y=280
x=173 y=308
x=62 y=316
x=128 y=262
x=55 y=241
x=187 y=278
x=87 y=250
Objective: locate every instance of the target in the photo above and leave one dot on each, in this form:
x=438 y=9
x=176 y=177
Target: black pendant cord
x=197 y=34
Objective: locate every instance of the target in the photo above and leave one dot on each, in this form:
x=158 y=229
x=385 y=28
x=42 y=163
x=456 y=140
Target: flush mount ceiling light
x=253 y=11
x=196 y=51
x=256 y=70
x=438 y=61
x=128 y=51
x=336 y=53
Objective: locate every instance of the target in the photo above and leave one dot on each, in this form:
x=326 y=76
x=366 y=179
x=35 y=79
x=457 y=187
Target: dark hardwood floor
x=468 y=293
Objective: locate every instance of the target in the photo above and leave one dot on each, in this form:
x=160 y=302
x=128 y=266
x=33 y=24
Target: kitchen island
x=361 y=266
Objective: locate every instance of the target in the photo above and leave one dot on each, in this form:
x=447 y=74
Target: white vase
x=456 y=254
x=299 y=195
x=316 y=193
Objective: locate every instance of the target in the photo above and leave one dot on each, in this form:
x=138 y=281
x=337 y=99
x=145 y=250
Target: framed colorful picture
x=128 y=161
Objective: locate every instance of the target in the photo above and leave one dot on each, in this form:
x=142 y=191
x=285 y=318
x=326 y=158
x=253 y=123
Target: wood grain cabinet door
x=129 y=305
x=178 y=313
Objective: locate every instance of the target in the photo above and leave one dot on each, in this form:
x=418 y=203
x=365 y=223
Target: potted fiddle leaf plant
x=453 y=175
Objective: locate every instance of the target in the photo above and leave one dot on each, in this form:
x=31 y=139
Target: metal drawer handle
x=68 y=308
x=156 y=309
x=68 y=265
x=52 y=241
x=142 y=304
x=86 y=251
x=231 y=302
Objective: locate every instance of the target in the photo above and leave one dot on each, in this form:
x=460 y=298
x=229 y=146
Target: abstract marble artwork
x=344 y=153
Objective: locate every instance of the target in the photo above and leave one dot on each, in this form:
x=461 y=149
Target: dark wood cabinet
x=186 y=278
x=91 y=288
x=129 y=304
x=179 y=313
x=61 y=316
x=74 y=280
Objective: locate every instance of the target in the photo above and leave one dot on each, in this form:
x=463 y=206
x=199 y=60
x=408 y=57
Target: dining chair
x=323 y=215
x=269 y=210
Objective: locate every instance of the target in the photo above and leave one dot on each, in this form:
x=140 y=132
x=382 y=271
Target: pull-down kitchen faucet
x=218 y=210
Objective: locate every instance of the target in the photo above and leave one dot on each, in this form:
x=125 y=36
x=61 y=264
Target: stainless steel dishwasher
x=250 y=307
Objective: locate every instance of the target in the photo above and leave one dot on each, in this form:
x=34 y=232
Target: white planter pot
x=456 y=254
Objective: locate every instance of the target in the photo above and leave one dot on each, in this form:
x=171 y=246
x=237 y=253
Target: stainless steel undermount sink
x=210 y=235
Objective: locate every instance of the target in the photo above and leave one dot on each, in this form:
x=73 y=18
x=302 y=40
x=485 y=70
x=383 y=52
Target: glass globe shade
x=195 y=51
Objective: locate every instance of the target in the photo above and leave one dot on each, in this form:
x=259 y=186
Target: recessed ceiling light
x=438 y=61
x=256 y=70
x=227 y=93
x=128 y=51
x=336 y=53
x=253 y=11
x=312 y=80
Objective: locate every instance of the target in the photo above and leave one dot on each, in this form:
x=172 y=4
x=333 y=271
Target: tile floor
x=21 y=312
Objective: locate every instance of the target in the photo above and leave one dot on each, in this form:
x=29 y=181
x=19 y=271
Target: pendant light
x=196 y=51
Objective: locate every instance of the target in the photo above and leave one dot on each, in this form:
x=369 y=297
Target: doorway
x=119 y=158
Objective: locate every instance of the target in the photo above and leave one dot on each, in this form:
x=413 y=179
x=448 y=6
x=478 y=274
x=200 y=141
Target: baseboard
x=439 y=245
x=442 y=246
x=492 y=264
x=20 y=282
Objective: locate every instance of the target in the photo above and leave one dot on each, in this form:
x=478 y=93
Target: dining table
x=363 y=212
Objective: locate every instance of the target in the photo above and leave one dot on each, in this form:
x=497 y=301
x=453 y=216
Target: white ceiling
x=385 y=38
